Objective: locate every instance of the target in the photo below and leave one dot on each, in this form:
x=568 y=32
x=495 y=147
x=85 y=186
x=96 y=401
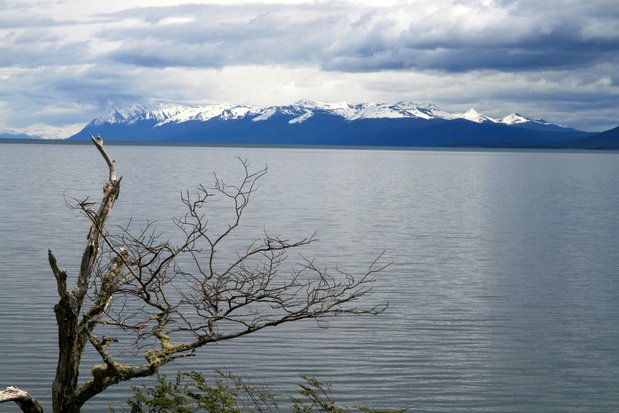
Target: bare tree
x=170 y=299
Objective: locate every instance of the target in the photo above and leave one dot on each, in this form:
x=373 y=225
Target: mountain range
x=402 y=124
x=12 y=135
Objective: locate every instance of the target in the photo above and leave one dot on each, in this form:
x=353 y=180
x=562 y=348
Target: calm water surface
x=504 y=292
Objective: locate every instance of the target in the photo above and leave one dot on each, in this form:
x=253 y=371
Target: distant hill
x=306 y=122
x=604 y=140
x=16 y=136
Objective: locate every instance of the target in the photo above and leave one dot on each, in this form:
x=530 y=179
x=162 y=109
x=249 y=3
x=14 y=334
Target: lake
x=503 y=293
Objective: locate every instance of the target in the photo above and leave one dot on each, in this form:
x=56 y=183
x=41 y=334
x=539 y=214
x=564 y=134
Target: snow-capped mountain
x=298 y=113
x=166 y=113
x=309 y=122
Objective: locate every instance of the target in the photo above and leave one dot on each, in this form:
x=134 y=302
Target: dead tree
x=167 y=299
x=21 y=398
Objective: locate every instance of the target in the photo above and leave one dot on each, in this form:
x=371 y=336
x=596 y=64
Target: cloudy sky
x=62 y=63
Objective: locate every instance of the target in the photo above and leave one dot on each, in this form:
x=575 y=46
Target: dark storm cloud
x=514 y=37
x=23 y=51
x=18 y=22
x=536 y=48
x=36 y=41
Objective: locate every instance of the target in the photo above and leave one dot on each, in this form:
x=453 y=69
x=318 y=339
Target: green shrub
x=190 y=393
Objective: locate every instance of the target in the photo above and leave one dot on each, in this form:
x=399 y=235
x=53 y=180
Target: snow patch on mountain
x=420 y=110
x=234 y=112
x=474 y=116
x=377 y=111
x=345 y=110
x=518 y=119
x=265 y=115
x=302 y=118
x=514 y=119
x=350 y=111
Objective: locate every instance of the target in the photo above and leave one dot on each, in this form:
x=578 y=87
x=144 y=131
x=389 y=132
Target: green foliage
x=164 y=397
x=317 y=397
x=190 y=393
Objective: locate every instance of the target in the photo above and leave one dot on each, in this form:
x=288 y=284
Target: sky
x=63 y=63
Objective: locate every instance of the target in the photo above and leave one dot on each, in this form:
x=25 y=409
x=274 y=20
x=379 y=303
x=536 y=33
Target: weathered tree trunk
x=71 y=346
x=26 y=403
x=73 y=333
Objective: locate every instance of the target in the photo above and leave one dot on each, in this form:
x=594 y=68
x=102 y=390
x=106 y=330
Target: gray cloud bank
x=553 y=58
x=452 y=37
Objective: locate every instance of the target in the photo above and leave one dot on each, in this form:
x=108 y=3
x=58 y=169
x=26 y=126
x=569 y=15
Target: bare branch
x=22 y=398
x=60 y=275
x=109 y=286
x=110 y=163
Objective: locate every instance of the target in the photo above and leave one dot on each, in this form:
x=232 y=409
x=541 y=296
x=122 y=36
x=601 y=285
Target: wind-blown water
x=504 y=292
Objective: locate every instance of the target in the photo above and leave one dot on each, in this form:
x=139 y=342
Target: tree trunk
x=69 y=356
x=73 y=333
